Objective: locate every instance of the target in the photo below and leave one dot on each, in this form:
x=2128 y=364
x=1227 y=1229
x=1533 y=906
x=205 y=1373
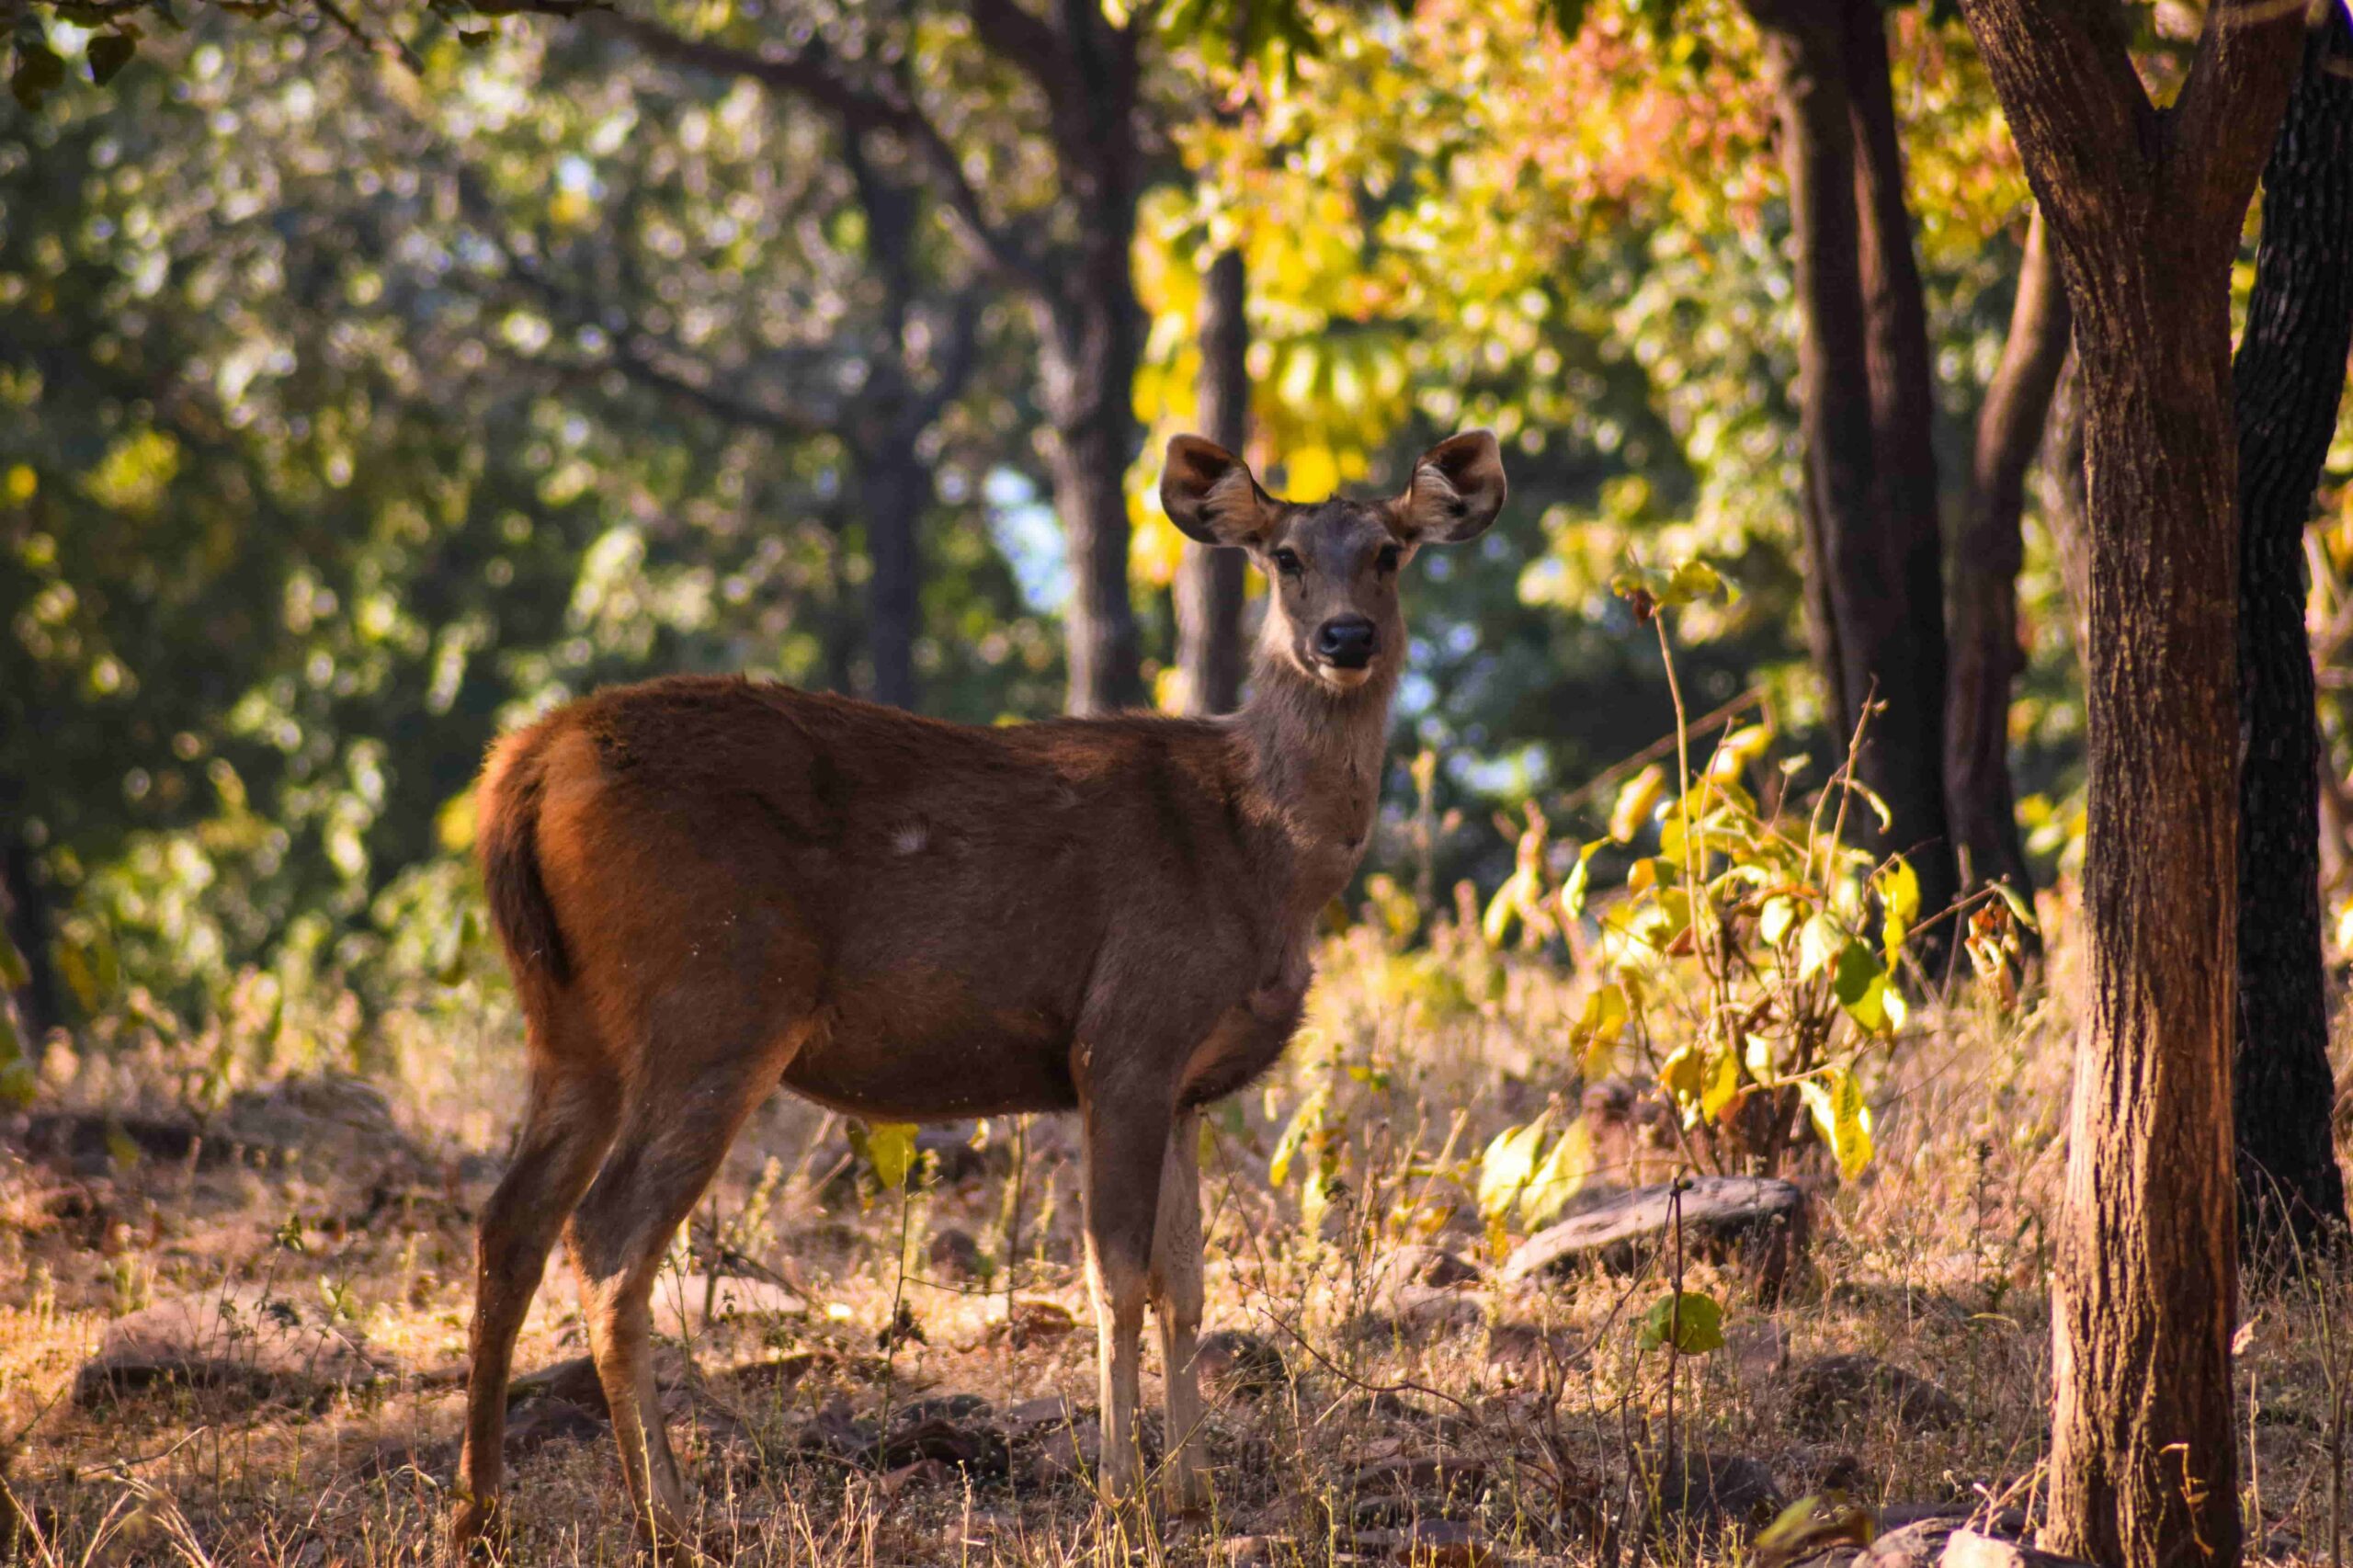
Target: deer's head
x=1334 y=565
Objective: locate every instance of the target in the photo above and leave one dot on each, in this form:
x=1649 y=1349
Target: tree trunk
x=1909 y=659
x=2289 y=377
x=1210 y=653
x=1092 y=328
x=2145 y=206
x=893 y=483
x=894 y=488
x=1985 y=611
x=1862 y=364
x=24 y=906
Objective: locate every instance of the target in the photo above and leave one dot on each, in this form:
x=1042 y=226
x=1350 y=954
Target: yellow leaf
x=1636 y=798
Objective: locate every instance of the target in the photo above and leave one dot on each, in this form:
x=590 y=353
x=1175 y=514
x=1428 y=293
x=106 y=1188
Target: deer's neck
x=1314 y=758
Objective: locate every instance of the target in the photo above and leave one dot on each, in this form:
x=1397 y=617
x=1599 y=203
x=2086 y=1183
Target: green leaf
x=1690 y=581
x=108 y=53
x=2020 y=909
x=1779 y=918
x=1568 y=15
x=14 y=974
x=1690 y=1321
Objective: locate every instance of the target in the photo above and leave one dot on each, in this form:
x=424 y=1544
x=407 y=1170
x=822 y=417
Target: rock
x=1433 y=1268
x=1032 y=1417
x=1969 y=1549
x=241 y=1338
x=575 y=1382
x=963 y=1444
x=1528 y=1352
x=1236 y=1365
x=1256 y=1551
x=335 y=1113
x=1445 y=1475
x=1441 y=1543
x=1913 y=1535
x=92 y=1144
x=954 y=1255
x=1070 y=1452
x=922 y=1474
x=1758 y=1221
x=1709 y=1491
x=834 y=1431
x=544 y=1421
x=1036 y=1322
x=1830 y=1393
x=688 y=1304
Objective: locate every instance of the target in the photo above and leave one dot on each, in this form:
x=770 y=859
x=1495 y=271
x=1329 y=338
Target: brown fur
x=706 y=885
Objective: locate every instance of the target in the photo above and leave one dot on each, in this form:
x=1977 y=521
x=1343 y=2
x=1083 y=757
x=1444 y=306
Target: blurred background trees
x=368 y=387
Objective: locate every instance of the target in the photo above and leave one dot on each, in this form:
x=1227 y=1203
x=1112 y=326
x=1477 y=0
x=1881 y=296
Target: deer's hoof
x=478 y=1532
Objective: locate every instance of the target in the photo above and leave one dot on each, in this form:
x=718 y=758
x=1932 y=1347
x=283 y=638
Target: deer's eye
x=1388 y=558
x=1287 y=562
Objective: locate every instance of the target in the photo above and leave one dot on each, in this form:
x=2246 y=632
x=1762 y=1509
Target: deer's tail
x=507 y=836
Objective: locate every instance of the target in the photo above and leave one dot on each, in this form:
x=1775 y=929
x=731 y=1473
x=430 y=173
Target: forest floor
x=246 y=1346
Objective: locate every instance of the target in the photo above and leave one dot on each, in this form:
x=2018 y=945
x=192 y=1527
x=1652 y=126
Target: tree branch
x=856 y=107
x=2083 y=122
x=2223 y=123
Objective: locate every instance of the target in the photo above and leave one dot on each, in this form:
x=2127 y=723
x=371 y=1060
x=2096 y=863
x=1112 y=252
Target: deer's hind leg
x=690 y=1100
x=574 y=1105
x=1176 y=1301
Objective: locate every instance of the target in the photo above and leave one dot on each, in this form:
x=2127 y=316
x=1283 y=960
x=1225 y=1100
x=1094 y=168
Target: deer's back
x=938 y=907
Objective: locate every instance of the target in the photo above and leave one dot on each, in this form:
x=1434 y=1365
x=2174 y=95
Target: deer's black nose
x=1346 y=640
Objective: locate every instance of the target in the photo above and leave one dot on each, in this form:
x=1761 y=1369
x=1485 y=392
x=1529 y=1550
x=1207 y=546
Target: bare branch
x=857 y=107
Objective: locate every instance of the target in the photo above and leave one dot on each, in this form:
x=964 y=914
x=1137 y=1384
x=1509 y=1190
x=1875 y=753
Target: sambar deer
x=708 y=885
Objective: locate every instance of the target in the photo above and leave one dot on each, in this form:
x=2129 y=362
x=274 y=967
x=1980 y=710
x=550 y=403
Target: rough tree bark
x=1210 y=653
x=2145 y=206
x=2287 y=380
x=1875 y=604
x=1984 y=613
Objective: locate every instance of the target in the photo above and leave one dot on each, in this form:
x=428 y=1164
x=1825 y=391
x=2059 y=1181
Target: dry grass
x=1935 y=1261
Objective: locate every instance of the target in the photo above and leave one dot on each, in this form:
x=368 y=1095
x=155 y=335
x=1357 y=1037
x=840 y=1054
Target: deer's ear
x=1210 y=494
x=1456 y=489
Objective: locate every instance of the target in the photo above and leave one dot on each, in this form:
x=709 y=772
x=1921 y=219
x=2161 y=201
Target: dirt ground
x=239 y=1336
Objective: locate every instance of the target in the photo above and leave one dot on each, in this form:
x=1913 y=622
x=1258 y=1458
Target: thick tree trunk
x=1210 y=653
x=2145 y=206
x=1984 y=606
x=1090 y=361
x=2289 y=377
x=1092 y=328
x=1862 y=364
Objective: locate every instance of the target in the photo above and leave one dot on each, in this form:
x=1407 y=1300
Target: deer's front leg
x=1126 y=1139
x=1176 y=1302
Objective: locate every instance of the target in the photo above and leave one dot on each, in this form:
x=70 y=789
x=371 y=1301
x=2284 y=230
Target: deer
x=707 y=886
